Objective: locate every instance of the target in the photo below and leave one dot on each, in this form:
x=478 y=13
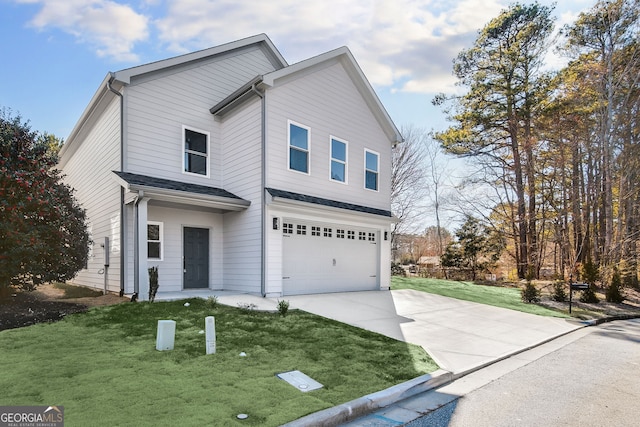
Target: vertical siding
x=158 y=107
x=88 y=171
x=242 y=154
x=328 y=102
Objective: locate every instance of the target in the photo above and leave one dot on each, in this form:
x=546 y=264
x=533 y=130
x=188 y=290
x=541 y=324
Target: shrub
x=589 y=296
x=212 y=302
x=530 y=293
x=153 y=283
x=559 y=292
x=397 y=270
x=614 y=290
x=283 y=307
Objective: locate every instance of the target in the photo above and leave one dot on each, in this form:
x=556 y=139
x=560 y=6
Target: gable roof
x=261 y=40
x=114 y=81
x=342 y=55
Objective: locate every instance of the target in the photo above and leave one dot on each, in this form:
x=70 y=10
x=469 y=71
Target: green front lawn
x=103 y=368
x=491 y=295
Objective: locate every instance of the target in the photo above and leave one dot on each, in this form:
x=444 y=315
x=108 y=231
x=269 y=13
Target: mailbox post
x=575 y=287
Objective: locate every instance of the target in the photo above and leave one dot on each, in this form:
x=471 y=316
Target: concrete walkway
x=459 y=335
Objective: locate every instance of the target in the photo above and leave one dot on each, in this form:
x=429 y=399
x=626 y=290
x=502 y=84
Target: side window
x=195 y=146
x=338 y=160
x=298 y=148
x=154 y=240
x=371 y=167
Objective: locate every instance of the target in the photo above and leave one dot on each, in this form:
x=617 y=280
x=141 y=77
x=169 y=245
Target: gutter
x=136 y=247
x=122 y=224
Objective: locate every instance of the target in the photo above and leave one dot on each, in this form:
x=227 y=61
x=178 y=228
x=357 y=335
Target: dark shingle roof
x=326 y=202
x=168 y=184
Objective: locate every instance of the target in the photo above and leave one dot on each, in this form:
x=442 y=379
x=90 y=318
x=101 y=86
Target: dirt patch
x=44 y=305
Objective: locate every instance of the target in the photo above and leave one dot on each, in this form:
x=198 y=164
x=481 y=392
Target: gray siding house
x=230 y=169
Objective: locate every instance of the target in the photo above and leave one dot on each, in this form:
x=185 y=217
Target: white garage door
x=321 y=258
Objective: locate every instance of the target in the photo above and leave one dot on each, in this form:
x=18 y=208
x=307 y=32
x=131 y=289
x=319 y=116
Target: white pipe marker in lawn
x=166 y=335
x=210 y=334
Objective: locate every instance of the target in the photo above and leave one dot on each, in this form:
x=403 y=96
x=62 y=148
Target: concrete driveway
x=459 y=335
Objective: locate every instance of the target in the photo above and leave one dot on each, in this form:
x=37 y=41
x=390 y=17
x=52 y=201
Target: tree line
x=559 y=149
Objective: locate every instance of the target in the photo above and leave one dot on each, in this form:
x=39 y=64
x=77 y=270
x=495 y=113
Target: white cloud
x=403 y=44
x=112 y=29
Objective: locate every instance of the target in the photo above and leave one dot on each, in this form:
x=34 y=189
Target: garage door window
x=372 y=237
x=328 y=232
x=351 y=235
x=301 y=230
x=340 y=234
x=287 y=228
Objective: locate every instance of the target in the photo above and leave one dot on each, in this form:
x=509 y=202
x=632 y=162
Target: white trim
x=161 y=240
x=366 y=150
x=208 y=156
x=308 y=129
x=346 y=159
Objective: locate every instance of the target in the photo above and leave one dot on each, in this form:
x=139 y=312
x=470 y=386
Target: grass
x=491 y=295
x=103 y=368
x=72 y=291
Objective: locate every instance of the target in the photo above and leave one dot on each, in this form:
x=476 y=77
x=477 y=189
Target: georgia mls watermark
x=31 y=416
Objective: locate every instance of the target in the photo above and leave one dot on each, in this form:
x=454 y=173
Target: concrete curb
x=595 y=322
x=364 y=405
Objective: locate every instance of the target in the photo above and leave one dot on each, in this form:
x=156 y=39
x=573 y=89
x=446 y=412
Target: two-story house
x=230 y=169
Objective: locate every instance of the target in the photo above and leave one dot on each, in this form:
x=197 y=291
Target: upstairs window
x=298 y=148
x=371 y=167
x=196 y=152
x=338 y=160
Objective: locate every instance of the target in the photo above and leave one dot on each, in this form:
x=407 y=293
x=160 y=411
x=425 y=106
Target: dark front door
x=196 y=258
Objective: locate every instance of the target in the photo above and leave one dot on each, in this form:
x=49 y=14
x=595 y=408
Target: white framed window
x=299 y=147
x=371 y=169
x=338 y=165
x=154 y=240
x=195 y=149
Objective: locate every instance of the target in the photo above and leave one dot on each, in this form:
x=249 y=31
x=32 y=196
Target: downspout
x=263 y=213
x=122 y=224
x=136 y=247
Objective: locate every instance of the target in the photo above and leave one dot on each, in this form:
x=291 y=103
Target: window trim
x=290 y=147
x=345 y=162
x=184 y=151
x=161 y=240
x=377 y=172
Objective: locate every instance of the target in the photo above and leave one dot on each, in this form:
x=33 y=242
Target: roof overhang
x=288 y=198
x=174 y=192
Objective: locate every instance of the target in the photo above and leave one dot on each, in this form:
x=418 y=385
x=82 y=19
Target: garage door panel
x=323 y=262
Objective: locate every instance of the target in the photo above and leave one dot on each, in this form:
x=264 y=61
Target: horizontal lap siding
x=89 y=172
x=170 y=267
x=157 y=108
x=241 y=133
x=328 y=102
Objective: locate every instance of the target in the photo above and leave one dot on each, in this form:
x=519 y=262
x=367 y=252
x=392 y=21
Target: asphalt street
x=593 y=380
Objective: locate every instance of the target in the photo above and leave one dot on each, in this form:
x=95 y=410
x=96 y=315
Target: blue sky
x=55 y=53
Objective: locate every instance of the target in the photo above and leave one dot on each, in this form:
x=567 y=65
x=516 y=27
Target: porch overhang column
x=141 y=274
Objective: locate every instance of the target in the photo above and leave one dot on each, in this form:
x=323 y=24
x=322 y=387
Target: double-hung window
x=298 y=148
x=196 y=152
x=154 y=240
x=338 y=160
x=371 y=170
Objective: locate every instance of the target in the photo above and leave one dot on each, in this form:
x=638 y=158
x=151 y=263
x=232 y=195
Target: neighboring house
x=229 y=169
